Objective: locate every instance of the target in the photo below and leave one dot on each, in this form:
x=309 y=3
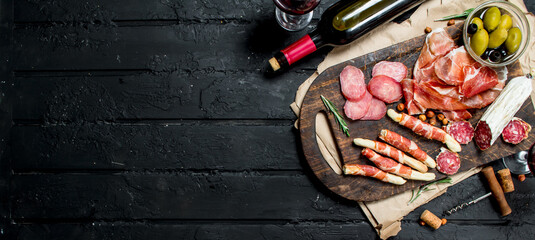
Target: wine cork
x=506 y=180
x=431 y=219
x=496 y=190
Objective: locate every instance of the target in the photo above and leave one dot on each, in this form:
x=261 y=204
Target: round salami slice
x=376 y=111
x=448 y=162
x=461 y=131
x=516 y=131
x=482 y=135
x=358 y=109
x=385 y=88
x=352 y=83
x=396 y=70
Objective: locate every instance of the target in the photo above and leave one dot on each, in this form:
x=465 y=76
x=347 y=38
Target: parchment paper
x=385 y=215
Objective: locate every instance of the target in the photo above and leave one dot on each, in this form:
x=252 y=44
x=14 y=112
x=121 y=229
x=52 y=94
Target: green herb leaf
x=426 y=188
x=339 y=119
x=462 y=15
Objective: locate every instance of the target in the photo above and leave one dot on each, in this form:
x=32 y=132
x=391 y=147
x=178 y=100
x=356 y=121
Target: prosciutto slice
x=446 y=78
x=437 y=43
x=450 y=68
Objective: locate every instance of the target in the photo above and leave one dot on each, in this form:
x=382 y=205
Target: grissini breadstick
x=408 y=146
x=391 y=166
x=424 y=129
x=391 y=152
x=371 y=171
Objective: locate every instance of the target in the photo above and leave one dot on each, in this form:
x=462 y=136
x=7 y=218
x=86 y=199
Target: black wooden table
x=153 y=119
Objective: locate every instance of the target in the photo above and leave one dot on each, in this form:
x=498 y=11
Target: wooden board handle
x=496 y=190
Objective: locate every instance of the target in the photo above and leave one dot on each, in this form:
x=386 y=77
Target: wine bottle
x=340 y=24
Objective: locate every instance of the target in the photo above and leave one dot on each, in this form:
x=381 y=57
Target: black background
x=154 y=119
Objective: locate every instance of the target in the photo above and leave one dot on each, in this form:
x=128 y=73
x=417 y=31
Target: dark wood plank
x=6 y=100
x=174 y=195
x=193 y=145
x=466 y=230
x=65 y=10
x=149 y=95
x=210 y=230
x=194 y=46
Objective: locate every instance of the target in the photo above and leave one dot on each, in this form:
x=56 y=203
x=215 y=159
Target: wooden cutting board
x=360 y=188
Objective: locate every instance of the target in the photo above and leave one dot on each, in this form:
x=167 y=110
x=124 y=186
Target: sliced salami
x=358 y=109
x=385 y=88
x=516 y=131
x=376 y=111
x=448 y=162
x=483 y=135
x=462 y=131
x=396 y=70
x=352 y=83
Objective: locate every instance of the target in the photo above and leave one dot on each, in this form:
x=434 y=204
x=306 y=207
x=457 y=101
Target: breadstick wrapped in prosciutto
x=371 y=171
x=391 y=166
x=408 y=146
x=391 y=152
x=424 y=129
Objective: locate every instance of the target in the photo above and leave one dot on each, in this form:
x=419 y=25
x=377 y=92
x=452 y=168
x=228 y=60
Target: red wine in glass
x=294 y=15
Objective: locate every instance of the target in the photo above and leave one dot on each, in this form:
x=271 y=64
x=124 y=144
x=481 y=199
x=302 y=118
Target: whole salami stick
x=408 y=146
x=371 y=171
x=424 y=129
x=391 y=152
x=391 y=166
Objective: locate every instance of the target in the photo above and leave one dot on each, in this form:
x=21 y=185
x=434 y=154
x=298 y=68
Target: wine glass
x=531 y=158
x=294 y=15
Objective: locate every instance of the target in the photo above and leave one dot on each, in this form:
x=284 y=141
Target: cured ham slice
x=406 y=145
x=371 y=171
x=450 y=68
x=457 y=115
x=391 y=166
x=412 y=106
x=478 y=80
x=385 y=88
x=446 y=78
x=358 y=109
x=391 y=152
x=437 y=43
x=395 y=70
x=376 y=111
x=424 y=129
x=352 y=83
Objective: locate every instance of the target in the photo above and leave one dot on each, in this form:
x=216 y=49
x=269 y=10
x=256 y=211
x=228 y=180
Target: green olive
x=479 y=41
x=478 y=22
x=513 y=40
x=491 y=19
x=505 y=22
x=497 y=37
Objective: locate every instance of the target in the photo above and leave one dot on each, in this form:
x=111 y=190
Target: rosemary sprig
x=339 y=119
x=462 y=15
x=426 y=188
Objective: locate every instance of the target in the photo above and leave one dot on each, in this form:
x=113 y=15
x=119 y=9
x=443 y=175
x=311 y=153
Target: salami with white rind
x=395 y=70
x=352 y=83
x=358 y=109
x=376 y=111
x=385 y=89
x=448 y=162
x=516 y=131
x=461 y=131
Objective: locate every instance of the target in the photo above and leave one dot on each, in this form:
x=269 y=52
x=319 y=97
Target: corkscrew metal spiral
x=463 y=205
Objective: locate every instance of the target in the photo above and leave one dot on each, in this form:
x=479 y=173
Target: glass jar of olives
x=496 y=33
